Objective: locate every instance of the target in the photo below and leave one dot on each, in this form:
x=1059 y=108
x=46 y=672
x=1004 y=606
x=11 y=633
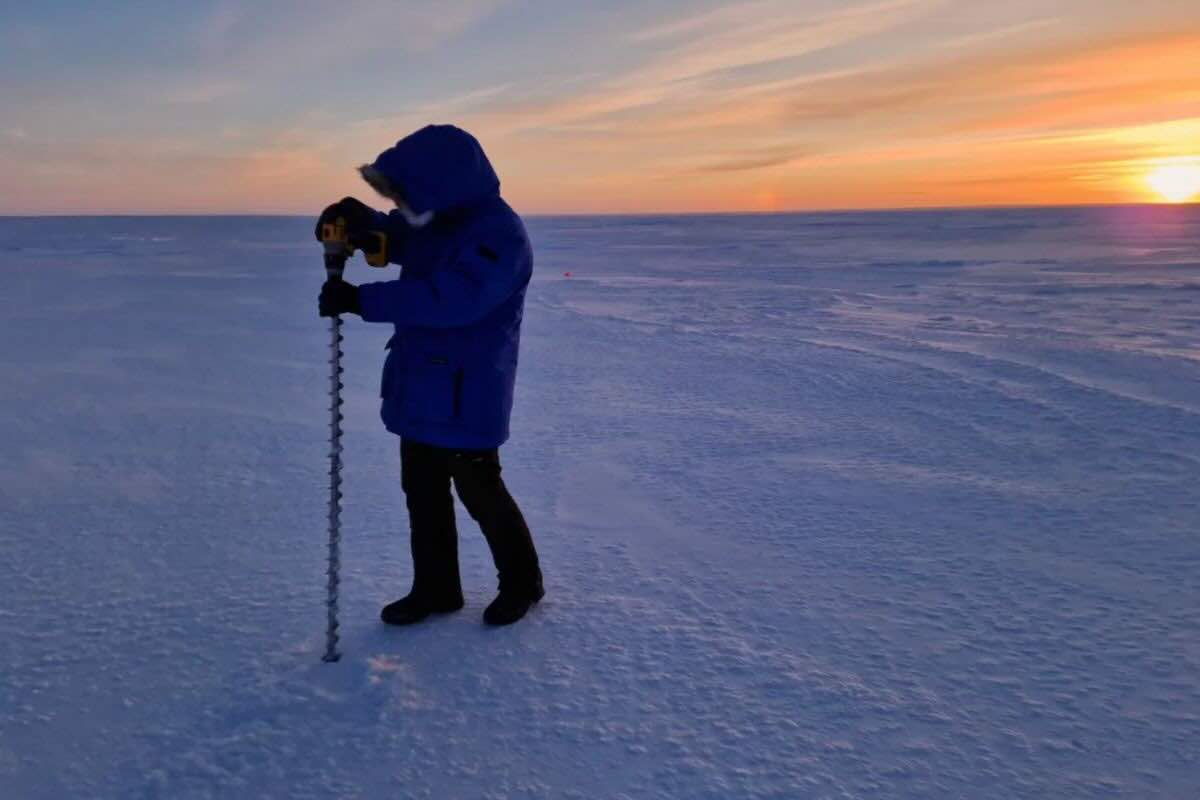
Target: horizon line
x=628 y=214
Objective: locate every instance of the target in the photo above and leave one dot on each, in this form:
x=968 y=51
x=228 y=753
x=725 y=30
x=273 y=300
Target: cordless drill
x=339 y=247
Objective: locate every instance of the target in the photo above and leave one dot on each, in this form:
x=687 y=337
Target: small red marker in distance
x=566 y=274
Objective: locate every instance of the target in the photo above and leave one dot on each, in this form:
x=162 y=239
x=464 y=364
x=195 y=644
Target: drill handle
x=374 y=247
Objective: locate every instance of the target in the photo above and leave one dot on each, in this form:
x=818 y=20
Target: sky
x=589 y=106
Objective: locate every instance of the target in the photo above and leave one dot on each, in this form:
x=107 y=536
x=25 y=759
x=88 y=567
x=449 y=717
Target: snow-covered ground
x=855 y=505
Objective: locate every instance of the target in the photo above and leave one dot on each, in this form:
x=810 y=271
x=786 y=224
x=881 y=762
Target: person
x=447 y=386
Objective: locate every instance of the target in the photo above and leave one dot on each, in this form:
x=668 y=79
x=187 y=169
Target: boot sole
x=420 y=619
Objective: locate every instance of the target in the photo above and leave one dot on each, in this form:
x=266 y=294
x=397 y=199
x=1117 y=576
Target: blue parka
x=457 y=305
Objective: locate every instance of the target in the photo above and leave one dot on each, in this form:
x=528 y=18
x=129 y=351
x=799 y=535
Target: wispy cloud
x=974 y=40
x=740 y=36
x=731 y=14
x=234 y=34
x=748 y=161
x=239 y=49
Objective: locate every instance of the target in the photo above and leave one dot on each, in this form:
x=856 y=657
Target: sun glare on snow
x=1175 y=183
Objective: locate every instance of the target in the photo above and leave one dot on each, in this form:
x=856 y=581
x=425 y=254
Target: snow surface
x=897 y=505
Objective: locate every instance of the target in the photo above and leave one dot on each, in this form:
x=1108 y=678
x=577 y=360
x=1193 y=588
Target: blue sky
x=598 y=106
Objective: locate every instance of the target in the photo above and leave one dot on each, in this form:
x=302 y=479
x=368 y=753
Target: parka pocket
x=432 y=391
x=485 y=399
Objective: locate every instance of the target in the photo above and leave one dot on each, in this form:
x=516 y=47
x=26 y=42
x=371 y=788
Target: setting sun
x=1175 y=183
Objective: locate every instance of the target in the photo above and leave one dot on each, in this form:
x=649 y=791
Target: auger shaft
x=336 y=252
x=335 y=488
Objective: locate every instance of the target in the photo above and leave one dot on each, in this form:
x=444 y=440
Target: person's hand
x=358 y=217
x=338 y=297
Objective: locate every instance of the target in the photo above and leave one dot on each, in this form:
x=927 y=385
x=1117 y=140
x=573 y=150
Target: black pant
x=426 y=475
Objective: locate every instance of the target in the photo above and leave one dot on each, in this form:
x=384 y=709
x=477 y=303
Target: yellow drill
x=339 y=247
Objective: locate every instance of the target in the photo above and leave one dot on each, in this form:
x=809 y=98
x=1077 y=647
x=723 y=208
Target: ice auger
x=339 y=248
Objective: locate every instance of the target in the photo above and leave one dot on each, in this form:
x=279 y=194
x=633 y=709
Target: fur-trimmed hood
x=438 y=168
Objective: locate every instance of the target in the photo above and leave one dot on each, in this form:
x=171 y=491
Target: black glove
x=338 y=297
x=358 y=216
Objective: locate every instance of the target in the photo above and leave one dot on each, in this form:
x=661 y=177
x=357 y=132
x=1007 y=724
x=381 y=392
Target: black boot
x=414 y=608
x=512 y=604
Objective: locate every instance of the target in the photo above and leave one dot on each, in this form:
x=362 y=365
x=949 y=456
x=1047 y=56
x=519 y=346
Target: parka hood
x=438 y=168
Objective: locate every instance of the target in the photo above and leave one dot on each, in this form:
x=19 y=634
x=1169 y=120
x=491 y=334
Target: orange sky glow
x=728 y=107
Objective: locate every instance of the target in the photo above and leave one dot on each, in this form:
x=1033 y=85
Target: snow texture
x=897 y=505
